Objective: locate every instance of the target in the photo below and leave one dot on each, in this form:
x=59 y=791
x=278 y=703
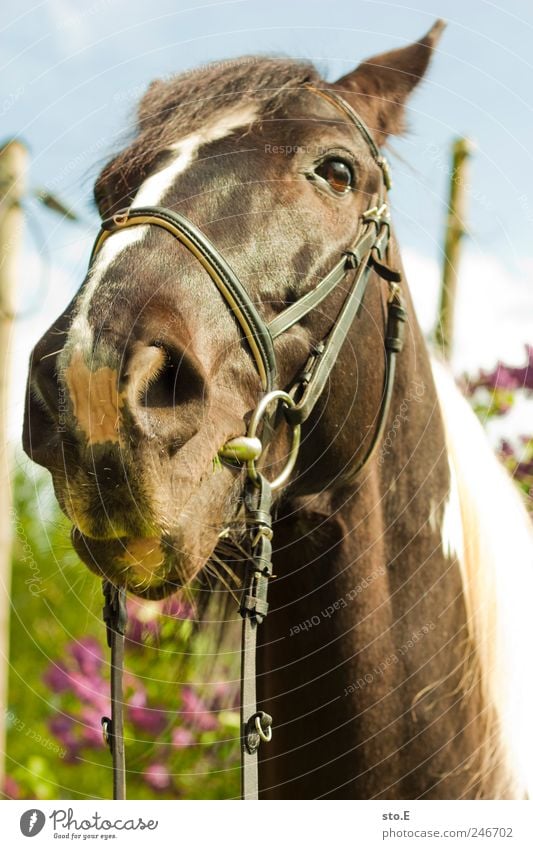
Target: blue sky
x=73 y=70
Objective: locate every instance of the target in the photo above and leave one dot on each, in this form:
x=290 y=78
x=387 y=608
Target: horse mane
x=488 y=527
x=183 y=103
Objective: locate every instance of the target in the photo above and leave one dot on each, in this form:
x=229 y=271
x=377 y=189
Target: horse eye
x=337 y=173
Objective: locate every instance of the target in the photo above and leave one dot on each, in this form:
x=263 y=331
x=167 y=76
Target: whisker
x=228 y=569
x=222 y=580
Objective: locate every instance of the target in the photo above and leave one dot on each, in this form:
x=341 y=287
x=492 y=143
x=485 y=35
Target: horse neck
x=365 y=660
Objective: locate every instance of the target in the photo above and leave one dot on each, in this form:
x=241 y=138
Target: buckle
x=385 y=170
x=257 y=728
x=377 y=214
x=107 y=732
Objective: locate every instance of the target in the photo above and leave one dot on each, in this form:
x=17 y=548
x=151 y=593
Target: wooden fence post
x=13 y=167
x=455 y=230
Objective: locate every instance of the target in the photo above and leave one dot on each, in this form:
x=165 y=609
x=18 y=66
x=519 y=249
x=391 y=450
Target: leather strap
x=325 y=355
x=255 y=725
x=115 y=616
x=308 y=302
x=254 y=328
x=344 y=106
x=394 y=338
x=355 y=119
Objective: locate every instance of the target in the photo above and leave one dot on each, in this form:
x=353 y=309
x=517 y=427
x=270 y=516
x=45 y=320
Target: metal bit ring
x=259 y=412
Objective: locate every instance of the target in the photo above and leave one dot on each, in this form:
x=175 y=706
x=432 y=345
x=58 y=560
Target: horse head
x=146 y=375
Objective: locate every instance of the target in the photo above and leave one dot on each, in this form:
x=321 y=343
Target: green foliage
x=182 y=737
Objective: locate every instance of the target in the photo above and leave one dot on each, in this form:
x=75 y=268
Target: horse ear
x=380 y=86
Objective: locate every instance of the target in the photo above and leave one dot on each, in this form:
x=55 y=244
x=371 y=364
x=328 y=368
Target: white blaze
x=152 y=193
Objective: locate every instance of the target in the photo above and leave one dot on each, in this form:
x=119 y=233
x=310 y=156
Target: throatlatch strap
x=115 y=618
x=325 y=355
x=314 y=297
x=394 y=339
x=255 y=725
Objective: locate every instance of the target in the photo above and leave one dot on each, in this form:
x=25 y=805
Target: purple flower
x=11 y=789
x=75 y=733
x=157 y=776
x=88 y=655
x=62 y=726
x=196 y=713
x=182 y=737
x=507 y=377
x=91 y=729
x=143 y=620
x=176 y=608
x=57 y=677
x=225 y=696
x=91 y=690
x=501 y=378
x=524 y=376
x=506 y=449
x=82 y=676
x=144 y=718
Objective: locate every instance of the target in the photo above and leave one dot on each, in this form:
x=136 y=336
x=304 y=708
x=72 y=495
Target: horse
x=394 y=657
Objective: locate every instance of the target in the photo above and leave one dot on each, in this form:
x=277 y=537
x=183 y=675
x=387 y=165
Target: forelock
x=182 y=104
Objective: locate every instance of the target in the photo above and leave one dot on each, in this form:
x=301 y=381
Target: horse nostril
x=109 y=472
x=177 y=379
x=46 y=385
x=45 y=405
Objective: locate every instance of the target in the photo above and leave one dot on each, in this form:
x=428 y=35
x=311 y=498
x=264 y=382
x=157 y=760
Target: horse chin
x=137 y=553
x=148 y=567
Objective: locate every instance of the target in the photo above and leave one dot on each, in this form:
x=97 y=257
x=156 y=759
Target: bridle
x=368 y=253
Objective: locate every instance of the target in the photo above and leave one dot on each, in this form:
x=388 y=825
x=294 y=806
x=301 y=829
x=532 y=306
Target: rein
x=367 y=254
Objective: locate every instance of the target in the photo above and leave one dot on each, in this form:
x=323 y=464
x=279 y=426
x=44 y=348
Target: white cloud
x=493 y=316
x=73 y=22
x=493 y=320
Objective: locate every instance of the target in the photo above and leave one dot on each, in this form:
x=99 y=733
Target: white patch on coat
x=451 y=529
x=152 y=193
x=496 y=562
x=434 y=518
